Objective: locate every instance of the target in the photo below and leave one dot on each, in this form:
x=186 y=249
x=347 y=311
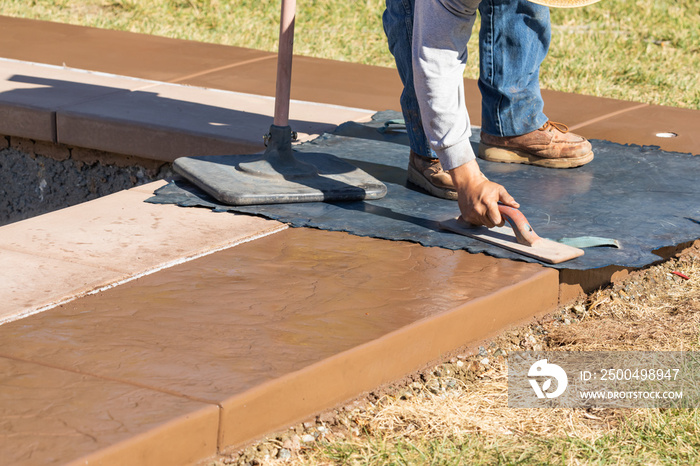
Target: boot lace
x=553 y=124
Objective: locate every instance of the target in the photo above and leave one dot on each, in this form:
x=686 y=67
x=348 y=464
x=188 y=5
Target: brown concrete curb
x=295 y=397
x=183 y=440
x=89 y=346
x=146 y=119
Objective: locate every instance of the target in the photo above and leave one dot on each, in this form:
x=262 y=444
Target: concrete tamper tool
x=277 y=176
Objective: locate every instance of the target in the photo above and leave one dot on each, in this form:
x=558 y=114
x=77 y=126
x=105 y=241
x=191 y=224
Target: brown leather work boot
x=551 y=146
x=429 y=175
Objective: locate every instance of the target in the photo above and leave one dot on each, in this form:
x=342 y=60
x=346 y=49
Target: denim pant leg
x=398 y=27
x=509 y=76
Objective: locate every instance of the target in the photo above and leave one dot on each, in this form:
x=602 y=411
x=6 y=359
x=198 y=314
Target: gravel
x=32 y=184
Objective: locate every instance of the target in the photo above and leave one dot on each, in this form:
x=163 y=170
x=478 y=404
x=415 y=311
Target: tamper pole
x=284 y=63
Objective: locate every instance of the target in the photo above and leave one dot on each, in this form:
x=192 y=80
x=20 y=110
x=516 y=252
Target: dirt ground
x=657 y=308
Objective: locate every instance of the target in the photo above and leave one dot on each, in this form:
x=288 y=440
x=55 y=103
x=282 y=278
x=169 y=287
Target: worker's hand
x=478 y=197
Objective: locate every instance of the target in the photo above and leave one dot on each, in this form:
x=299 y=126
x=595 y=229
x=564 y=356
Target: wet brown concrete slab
x=313 y=80
x=641 y=126
x=287 y=325
x=168 y=121
x=66 y=253
x=54 y=416
x=577 y=111
x=122 y=53
x=574 y=110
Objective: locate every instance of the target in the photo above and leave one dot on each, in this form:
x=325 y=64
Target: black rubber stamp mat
x=643 y=197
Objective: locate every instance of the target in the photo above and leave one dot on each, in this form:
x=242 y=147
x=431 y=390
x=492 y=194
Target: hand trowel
x=519 y=237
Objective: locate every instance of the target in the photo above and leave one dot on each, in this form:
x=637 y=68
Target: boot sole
x=415 y=177
x=499 y=154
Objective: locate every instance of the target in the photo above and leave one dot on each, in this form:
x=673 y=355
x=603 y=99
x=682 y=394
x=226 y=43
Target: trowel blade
x=543 y=249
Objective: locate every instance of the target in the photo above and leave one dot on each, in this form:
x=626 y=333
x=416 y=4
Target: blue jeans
x=509 y=75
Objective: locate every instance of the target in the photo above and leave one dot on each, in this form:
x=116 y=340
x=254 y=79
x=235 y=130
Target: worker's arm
x=441 y=31
x=478 y=197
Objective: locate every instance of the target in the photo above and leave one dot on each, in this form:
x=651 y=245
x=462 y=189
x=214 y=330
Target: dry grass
x=476 y=408
x=654 y=310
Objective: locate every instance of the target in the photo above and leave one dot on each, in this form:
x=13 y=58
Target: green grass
x=646 y=437
x=625 y=49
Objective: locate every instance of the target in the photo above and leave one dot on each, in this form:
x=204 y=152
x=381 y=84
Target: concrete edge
x=120 y=279
x=297 y=396
x=182 y=440
x=109 y=121
x=116 y=277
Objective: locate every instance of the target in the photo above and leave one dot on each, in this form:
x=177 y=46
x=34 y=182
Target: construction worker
x=428 y=39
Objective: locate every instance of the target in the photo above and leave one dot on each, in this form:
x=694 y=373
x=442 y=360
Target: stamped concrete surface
x=276 y=329
x=128 y=54
x=78 y=249
x=57 y=416
x=145 y=118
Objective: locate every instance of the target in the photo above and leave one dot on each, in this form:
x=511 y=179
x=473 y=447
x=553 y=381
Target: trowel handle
x=521 y=227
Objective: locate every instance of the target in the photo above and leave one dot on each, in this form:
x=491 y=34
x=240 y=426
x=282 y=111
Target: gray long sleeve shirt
x=441 y=30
